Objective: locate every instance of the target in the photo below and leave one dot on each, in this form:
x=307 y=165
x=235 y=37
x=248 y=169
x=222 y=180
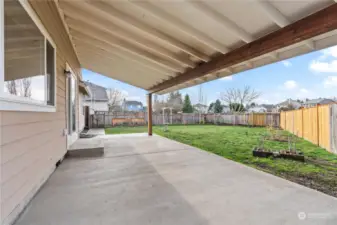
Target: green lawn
x=125 y=130
x=236 y=143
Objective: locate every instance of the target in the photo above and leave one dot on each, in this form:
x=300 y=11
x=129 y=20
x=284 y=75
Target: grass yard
x=126 y=130
x=236 y=143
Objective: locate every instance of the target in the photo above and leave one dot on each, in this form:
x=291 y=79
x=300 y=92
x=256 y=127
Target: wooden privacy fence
x=110 y=119
x=316 y=124
x=249 y=119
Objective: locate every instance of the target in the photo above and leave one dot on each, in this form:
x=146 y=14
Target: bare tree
x=11 y=87
x=26 y=87
x=115 y=98
x=158 y=106
x=237 y=98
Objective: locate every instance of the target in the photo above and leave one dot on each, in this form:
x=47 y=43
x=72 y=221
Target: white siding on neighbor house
x=31 y=143
x=96 y=106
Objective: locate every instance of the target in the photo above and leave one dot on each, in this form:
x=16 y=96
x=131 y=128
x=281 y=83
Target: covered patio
x=163 y=46
x=159 y=46
x=153 y=180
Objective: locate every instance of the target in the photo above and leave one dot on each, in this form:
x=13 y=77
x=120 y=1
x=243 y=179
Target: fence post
x=302 y=122
x=317 y=124
x=285 y=120
x=253 y=119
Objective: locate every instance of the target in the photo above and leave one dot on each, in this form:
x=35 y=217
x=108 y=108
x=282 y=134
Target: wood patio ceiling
x=162 y=46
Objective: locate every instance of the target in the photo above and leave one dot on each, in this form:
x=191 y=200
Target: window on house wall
x=29 y=58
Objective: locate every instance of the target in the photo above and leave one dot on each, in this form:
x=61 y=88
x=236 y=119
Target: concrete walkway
x=96 y=131
x=152 y=180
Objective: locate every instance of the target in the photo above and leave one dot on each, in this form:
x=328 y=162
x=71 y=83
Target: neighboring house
x=225 y=109
x=257 y=109
x=98 y=99
x=83 y=93
x=289 y=102
x=200 y=108
x=134 y=106
x=269 y=107
x=314 y=102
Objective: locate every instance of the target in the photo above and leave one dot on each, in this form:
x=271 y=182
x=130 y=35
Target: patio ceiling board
x=121 y=44
x=181 y=25
x=143 y=81
x=110 y=53
x=316 y=24
x=83 y=18
x=86 y=49
x=172 y=39
x=115 y=62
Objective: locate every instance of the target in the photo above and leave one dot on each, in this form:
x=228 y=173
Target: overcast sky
x=309 y=76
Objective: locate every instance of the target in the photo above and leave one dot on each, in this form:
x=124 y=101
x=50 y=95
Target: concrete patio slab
x=86 y=147
x=152 y=180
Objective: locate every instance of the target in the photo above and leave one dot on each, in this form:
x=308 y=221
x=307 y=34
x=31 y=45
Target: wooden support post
x=149 y=114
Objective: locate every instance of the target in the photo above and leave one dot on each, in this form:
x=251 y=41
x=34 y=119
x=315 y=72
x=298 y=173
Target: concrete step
x=86 y=148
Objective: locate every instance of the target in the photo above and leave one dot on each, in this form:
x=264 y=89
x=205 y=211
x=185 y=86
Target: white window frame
x=10 y=102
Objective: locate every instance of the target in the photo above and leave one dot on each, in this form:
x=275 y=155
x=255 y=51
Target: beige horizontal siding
x=32 y=142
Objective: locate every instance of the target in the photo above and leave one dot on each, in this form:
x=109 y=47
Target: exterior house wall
x=134 y=108
x=33 y=142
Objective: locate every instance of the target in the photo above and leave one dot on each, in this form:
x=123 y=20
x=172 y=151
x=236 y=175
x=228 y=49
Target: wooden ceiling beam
x=109 y=40
x=181 y=25
x=101 y=68
x=96 y=44
x=273 y=13
x=221 y=19
x=111 y=13
x=101 y=54
x=311 y=26
x=83 y=18
x=92 y=52
x=277 y=17
x=171 y=62
x=119 y=70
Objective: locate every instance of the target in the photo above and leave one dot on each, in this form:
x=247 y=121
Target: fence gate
x=333 y=128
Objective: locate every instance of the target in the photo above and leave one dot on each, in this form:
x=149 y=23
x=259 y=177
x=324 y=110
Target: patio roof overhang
x=162 y=46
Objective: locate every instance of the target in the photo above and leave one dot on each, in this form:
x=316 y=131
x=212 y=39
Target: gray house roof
x=289 y=101
x=268 y=106
x=135 y=103
x=98 y=93
x=319 y=101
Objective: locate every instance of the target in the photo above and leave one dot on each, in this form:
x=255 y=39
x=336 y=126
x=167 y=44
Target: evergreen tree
x=217 y=106
x=187 y=106
x=211 y=108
